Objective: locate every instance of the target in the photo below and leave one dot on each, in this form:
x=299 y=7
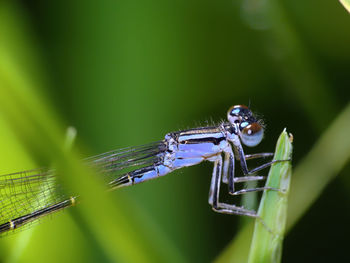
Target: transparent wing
x=26 y=192
x=110 y=163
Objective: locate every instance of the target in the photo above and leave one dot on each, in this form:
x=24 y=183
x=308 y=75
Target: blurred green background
x=125 y=73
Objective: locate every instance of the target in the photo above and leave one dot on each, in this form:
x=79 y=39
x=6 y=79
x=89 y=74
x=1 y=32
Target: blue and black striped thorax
x=214 y=135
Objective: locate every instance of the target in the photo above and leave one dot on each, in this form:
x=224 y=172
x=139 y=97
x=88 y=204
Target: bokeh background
x=125 y=73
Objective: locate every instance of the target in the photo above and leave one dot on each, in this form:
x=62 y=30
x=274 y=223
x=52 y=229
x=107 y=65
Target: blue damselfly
x=26 y=196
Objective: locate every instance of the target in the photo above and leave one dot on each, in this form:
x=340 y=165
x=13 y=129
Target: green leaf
x=269 y=228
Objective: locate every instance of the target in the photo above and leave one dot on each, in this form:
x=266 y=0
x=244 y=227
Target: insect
x=29 y=195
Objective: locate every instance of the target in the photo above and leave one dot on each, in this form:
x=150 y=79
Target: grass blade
x=114 y=224
x=346 y=4
x=269 y=231
x=320 y=166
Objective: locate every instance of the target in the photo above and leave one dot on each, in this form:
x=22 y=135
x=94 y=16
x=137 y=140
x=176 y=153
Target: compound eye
x=252 y=134
x=235 y=113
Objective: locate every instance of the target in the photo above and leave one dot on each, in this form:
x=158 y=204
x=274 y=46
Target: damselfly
x=26 y=196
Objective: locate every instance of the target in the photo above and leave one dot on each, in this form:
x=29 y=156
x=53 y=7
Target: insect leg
x=214 y=194
x=257 y=155
x=243 y=162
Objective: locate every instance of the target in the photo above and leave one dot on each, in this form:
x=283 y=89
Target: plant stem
x=269 y=229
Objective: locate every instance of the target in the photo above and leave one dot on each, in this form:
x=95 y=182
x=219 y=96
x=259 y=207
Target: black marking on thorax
x=212 y=140
x=212 y=135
